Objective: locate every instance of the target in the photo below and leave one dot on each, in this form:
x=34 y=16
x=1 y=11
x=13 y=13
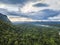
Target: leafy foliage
x=28 y=35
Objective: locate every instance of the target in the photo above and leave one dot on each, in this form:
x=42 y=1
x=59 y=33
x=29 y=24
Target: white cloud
x=54 y=4
x=54 y=18
x=30 y=8
x=9 y=7
x=23 y=19
x=18 y=18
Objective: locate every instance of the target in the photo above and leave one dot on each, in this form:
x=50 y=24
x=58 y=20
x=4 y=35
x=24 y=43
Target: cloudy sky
x=31 y=10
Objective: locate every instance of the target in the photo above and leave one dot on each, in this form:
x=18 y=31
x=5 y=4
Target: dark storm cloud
x=44 y=14
x=14 y=2
x=6 y=12
x=50 y=13
x=40 y=5
x=3 y=11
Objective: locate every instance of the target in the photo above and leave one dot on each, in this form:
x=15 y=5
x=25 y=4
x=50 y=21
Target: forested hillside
x=28 y=35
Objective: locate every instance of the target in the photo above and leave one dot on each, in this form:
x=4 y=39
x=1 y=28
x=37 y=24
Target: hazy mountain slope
x=4 y=18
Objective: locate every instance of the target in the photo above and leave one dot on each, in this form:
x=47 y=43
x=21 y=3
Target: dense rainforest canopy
x=28 y=35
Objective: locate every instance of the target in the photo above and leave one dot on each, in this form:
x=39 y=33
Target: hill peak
x=4 y=18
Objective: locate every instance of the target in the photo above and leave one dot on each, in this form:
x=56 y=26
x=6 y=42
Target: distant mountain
x=51 y=23
x=47 y=22
x=4 y=18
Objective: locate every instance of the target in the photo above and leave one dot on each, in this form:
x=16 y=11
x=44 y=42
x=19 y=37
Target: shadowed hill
x=4 y=18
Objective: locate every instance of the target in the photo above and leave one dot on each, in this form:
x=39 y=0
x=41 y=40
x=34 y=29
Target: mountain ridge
x=4 y=18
